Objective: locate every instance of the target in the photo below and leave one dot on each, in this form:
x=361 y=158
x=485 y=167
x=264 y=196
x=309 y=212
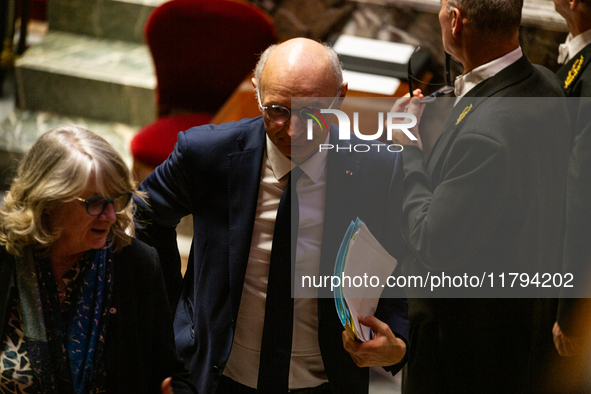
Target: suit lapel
x=342 y=180
x=445 y=135
x=453 y=124
x=244 y=174
x=509 y=76
x=570 y=73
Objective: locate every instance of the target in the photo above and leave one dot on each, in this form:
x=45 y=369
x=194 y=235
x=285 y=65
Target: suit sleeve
x=443 y=225
x=166 y=362
x=167 y=189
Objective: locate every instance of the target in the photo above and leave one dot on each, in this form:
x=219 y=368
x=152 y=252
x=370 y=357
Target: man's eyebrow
x=273 y=102
x=314 y=104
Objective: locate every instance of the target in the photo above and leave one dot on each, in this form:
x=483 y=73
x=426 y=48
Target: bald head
x=298 y=68
x=298 y=59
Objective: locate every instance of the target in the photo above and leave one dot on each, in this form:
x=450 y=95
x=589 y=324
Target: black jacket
x=140 y=351
x=488 y=200
x=576 y=78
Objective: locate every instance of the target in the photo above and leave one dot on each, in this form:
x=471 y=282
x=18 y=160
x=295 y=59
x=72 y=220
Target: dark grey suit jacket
x=489 y=199
x=573 y=312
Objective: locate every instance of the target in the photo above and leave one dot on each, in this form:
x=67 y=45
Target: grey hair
x=55 y=171
x=333 y=60
x=491 y=16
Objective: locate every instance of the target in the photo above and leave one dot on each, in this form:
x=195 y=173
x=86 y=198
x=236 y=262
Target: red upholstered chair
x=202 y=50
x=152 y=145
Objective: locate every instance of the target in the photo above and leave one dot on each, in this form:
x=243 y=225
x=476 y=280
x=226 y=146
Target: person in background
x=83 y=307
x=237 y=325
x=575 y=75
x=571 y=330
x=488 y=199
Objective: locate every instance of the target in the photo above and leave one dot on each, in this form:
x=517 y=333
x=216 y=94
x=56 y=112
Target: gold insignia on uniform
x=463 y=114
x=572 y=74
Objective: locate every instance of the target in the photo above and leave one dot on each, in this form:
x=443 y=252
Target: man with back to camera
x=488 y=199
x=575 y=75
x=231 y=178
x=571 y=329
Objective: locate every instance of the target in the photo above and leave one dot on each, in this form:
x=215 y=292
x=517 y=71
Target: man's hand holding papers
x=370 y=341
x=381 y=351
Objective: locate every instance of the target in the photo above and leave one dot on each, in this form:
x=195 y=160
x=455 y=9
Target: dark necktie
x=278 y=328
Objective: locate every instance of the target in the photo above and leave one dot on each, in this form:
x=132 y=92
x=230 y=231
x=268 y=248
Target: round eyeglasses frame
x=300 y=111
x=94 y=203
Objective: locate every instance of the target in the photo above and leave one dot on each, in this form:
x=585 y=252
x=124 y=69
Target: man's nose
x=296 y=127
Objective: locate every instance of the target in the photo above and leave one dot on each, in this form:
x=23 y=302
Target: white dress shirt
x=306 y=366
x=572 y=46
x=466 y=82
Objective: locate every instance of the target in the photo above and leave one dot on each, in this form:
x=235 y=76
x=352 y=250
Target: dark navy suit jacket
x=214 y=174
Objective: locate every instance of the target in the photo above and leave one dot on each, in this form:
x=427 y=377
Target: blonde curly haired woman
x=83 y=307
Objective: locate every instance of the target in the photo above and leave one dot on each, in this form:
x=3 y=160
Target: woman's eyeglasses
x=97 y=205
x=447 y=89
x=279 y=114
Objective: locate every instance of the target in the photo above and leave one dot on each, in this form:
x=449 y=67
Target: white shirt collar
x=281 y=164
x=576 y=44
x=466 y=82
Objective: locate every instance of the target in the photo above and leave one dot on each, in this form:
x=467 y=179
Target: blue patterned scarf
x=66 y=348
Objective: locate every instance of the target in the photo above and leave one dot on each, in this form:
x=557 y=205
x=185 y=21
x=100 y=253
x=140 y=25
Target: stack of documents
x=363 y=265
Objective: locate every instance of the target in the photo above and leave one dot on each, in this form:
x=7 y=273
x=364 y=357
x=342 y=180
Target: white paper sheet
x=373 y=49
x=366 y=257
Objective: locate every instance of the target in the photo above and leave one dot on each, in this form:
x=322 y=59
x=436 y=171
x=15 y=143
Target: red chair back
x=203 y=49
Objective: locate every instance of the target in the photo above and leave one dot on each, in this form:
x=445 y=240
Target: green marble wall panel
x=85 y=76
x=93 y=58
x=8 y=164
x=39 y=90
x=115 y=19
x=21 y=128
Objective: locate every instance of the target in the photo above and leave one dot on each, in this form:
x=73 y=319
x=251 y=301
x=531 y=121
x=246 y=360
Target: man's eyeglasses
x=97 y=205
x=279 y=114
x=447 y=89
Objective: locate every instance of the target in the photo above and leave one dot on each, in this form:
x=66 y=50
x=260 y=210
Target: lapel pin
x=349 y=172
x=463 y=114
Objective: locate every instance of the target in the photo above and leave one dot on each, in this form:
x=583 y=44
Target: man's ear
x=457 y=21
x=342 y=93
x=573 y=3
x=257 y=94
x=344 y=89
